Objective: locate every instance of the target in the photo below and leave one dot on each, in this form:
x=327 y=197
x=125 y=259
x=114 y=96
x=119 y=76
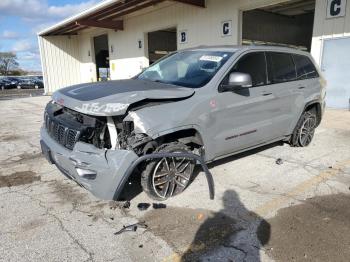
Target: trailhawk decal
x=243 y=134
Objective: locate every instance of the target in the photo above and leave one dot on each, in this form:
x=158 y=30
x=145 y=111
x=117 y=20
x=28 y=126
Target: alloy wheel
x=307 y=130
x=171 y=176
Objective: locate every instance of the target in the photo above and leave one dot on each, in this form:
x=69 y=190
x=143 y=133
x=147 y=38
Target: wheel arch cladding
x=318 y=109
x=185 y=135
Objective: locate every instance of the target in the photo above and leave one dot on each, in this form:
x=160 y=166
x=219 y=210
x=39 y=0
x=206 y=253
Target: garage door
x=335 y=67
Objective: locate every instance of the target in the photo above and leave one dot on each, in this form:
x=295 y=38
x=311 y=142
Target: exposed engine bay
x=67 y=127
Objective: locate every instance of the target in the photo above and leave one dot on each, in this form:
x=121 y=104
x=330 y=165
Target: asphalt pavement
x=294 y=209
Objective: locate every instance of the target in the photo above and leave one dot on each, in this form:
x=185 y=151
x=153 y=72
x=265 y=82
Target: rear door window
x=305 y=68
x=281 y=67
x=253 y=64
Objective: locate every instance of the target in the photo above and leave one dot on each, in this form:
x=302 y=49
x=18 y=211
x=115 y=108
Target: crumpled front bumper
x=100 y=171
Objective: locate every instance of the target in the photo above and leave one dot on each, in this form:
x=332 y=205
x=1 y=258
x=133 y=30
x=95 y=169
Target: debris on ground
x=200 y=216
x=279 y=161
x=127 y=204
x=113 y=205
x=143 y=206
x=159 y=205
x=131 y=228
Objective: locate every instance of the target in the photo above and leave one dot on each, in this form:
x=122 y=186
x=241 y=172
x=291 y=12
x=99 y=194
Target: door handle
x=301 y=87
x=267 y=94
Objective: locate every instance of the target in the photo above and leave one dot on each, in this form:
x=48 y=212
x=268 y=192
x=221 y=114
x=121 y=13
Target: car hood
x=114 y=97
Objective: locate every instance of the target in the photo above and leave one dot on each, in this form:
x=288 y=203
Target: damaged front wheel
x=167 y=177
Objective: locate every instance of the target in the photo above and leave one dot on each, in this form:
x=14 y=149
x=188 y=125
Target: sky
x=21 y=20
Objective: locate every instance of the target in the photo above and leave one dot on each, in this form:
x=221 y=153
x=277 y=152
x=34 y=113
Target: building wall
x=87 y=55
x=203 y=26
x=70 y=61
x=328 y=28
x=61 y=61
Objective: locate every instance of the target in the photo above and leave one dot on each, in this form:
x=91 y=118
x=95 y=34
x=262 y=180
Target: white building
x=116 y=39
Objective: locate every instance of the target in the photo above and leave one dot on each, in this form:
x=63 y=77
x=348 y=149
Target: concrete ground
x=262 y=211
x=8 y=94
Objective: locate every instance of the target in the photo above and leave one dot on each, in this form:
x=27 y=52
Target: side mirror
x=237 y=80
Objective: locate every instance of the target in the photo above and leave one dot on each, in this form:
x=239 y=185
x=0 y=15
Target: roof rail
x=262 y=43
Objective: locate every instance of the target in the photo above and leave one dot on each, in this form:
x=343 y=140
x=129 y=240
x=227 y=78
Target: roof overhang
x=108 y=14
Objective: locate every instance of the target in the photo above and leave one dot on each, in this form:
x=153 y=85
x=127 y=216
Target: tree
x=8 y=62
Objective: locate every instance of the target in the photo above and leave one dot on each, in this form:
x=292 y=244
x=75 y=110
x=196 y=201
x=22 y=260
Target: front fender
x=191 y=113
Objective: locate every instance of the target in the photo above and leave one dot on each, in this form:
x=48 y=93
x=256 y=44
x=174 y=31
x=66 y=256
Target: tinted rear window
x=281 y=67
x=305 y=68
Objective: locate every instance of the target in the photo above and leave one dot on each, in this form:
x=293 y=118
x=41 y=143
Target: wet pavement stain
x=30 y=225
x=316 y=230
x=190 y=231
x=19 y=179
x=22 y=158
x=68 y=192
x=8 y=138
x=27 y=156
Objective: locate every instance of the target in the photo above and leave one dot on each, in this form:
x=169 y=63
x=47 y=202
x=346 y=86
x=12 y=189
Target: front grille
x=60 y=133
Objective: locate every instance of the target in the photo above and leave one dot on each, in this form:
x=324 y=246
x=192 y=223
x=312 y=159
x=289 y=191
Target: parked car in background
x=31 y=82
x=14 y=80
x=8 y=83
x=26 y=83
x=38 y=81
x=212 y=102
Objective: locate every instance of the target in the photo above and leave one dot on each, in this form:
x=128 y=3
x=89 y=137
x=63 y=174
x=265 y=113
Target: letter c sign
x=336 y=8
x=226 y=28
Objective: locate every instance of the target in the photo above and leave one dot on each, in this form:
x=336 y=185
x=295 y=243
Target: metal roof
x=108 y=14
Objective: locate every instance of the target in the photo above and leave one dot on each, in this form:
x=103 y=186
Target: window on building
x=281 y=67
x=305 y=68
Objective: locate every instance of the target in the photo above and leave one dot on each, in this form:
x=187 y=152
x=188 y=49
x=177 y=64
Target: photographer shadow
x=233 y=233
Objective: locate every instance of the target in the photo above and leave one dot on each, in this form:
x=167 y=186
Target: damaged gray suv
x=210 y=102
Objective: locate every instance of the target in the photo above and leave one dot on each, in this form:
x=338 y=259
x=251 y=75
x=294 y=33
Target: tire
x=173 y=182
x=305 y=130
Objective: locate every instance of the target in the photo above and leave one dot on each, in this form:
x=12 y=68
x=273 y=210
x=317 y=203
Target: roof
x=235 y=48
x=107 y=14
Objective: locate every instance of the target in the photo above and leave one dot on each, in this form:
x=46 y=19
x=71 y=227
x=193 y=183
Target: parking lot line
x=276 y=203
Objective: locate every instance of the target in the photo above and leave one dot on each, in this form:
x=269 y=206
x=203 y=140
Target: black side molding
x=132 y=167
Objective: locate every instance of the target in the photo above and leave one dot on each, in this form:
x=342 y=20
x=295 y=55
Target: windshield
x=187 y=68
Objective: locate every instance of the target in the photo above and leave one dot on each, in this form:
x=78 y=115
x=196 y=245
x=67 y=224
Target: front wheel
x=167 y=177
x=305 y=129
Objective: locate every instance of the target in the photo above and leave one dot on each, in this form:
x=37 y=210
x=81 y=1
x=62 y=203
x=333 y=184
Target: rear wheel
x=305 y=129
x=167 y=177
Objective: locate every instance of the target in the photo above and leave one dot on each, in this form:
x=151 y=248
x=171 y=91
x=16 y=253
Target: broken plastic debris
x=143 y=206
x=200 y=216
x=279 y=161
x=159 y=205
x=127 y=204
x=131 y=228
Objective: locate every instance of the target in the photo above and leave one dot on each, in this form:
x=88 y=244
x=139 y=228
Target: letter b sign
x=336 y=8
x=183 y=37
